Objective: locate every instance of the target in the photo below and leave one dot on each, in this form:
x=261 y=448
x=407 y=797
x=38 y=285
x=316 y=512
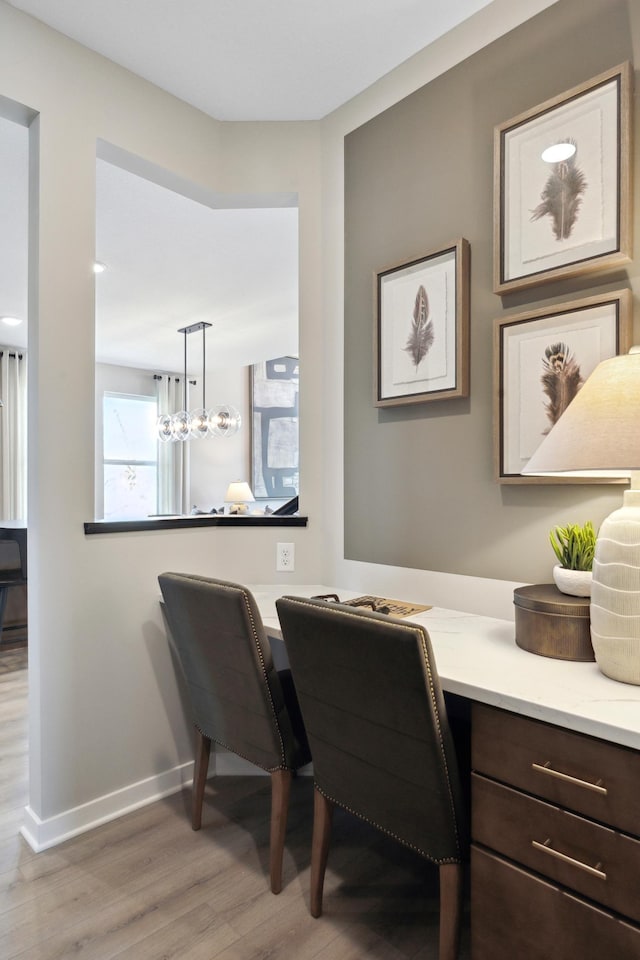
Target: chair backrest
x=236 y=695
x=10 y=560
x=376 y=720
x=18 y=534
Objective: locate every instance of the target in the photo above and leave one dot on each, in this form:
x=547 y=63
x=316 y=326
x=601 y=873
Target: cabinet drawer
x=590 y=776
x=516 y=916
x=596 y=861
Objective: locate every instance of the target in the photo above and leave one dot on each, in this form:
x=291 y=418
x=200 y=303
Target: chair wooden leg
x=203 y=750
x=322 y=816
x=280 y=790
x=451 y=877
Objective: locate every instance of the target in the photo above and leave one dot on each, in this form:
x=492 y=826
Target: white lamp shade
x=598 y=435
x=239 y=491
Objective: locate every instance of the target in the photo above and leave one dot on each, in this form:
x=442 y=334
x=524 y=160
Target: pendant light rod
x=184 y=382
x=193 y=328
x=204 y=367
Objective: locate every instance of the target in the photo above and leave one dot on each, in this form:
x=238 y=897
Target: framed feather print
x=421 y=328
x=562 y=185
x=541 y=359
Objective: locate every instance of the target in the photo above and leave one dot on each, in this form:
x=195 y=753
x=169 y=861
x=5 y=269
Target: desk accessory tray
x=395 y=608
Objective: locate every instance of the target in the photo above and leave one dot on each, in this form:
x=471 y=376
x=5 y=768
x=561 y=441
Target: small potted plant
x=574 y=546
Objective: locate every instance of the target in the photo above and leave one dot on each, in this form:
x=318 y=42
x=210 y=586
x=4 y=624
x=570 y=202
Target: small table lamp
x=238 y=495
x=598 y=435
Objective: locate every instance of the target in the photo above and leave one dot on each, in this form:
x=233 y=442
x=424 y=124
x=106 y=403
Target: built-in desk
x=555 y=867
x=477 y=657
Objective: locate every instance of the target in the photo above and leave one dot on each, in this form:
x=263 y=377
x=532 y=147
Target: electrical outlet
x=285 y=557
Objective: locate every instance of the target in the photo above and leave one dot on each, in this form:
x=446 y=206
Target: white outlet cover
x=285 y=557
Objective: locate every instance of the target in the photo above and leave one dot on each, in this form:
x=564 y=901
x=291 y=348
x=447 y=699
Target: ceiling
x=171 y=261
x=256 y=59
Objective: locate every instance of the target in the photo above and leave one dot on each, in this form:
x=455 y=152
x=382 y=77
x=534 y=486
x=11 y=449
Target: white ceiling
x=256 y=59
x=171 y=261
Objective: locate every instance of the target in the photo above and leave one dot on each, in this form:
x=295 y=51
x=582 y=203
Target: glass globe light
x=224 y=421
x=199 y=424
x=164 y=428
x=180 y=426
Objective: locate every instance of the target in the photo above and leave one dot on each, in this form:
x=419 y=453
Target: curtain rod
x=159 y=376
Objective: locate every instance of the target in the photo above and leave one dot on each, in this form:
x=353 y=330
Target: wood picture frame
x=421 y=328
x=541 y=358
x=557 y=218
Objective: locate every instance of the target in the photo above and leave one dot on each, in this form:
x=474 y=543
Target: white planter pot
x=577 y=583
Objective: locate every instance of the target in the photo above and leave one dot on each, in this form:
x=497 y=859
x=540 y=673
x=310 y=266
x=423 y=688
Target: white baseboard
x=42 y=834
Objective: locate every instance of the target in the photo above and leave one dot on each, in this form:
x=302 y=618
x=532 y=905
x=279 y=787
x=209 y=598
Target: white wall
x=107 y=728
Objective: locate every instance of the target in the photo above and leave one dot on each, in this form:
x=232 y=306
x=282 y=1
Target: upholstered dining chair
x=380 y=740
x=238 y=699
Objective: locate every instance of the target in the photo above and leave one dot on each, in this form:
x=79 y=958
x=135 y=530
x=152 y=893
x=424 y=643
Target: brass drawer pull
x=546 y=768
x=546 y=848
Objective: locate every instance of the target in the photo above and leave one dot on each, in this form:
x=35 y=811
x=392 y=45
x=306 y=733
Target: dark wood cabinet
x=555 y=842
x=516 y=915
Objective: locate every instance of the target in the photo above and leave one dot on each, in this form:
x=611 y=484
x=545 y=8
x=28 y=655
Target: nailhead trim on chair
x=440 y=741
x=264 y=674
x=389 y=833
x=221 y=743
x=415 y=630
x=256 y=640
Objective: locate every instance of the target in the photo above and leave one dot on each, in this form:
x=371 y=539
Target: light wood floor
x=146 y=887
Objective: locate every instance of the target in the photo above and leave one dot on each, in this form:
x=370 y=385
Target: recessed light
x=558 y=152
x=11 y=321
x=99 y=267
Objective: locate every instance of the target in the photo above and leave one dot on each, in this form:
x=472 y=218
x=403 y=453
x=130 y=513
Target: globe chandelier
x=222 y=420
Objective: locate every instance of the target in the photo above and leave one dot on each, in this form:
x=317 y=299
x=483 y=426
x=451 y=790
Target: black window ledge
x=206 y=520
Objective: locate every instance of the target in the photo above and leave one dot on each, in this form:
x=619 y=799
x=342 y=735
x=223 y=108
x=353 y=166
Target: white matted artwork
x=562 y=181
x=421 y=331
x=542 y=359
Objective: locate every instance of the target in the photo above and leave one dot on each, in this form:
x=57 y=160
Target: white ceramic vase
x=577 y=583
x=615 y=601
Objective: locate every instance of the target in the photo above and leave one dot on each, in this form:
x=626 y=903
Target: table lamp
x=238 y=495
x=598 y=435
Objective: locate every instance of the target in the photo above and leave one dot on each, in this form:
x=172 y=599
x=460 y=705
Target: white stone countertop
x=478 y=658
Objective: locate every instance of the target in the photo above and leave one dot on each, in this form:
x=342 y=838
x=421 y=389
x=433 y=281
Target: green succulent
x=574 y=546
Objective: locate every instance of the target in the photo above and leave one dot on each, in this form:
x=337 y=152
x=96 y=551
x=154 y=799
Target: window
x=130 y=456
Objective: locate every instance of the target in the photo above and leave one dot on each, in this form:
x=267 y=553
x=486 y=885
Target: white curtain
x=13 y=434
x=173 y=458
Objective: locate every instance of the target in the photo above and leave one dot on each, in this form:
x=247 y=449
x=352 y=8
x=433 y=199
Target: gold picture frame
x=421 y=328
x=557 y=217
x=540 y=358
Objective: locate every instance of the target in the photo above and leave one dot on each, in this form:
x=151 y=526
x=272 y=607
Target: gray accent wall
x=419 y=480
